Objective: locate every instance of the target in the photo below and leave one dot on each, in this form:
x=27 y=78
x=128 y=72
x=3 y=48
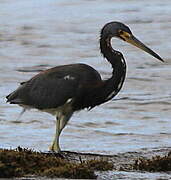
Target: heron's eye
x=121 y=32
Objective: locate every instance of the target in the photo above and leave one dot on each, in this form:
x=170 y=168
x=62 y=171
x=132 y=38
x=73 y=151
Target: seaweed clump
x=155 y=164
x=21 y=162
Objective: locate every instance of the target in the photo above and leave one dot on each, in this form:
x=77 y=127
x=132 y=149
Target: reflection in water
x=46 y=33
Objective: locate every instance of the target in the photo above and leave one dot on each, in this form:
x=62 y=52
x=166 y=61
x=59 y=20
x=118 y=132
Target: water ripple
x=37 y=68
x=64 y=32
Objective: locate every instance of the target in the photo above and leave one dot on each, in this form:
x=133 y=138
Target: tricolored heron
x=62 y=90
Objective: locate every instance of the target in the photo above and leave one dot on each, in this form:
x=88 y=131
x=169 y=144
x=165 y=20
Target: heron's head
x=121 y=31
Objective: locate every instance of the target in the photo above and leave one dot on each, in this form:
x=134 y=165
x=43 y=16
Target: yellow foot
x=55 y=148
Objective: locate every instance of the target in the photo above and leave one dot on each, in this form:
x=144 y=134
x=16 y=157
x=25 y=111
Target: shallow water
x=36 y=35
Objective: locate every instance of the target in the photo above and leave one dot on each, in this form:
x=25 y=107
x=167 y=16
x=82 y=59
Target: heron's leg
x=55 y=145
x=64 y=120
x=60 y=124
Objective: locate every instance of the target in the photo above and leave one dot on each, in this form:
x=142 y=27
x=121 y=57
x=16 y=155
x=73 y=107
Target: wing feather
x=53 y=87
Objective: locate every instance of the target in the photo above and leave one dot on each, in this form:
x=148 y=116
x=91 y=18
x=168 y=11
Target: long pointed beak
x=134 y=41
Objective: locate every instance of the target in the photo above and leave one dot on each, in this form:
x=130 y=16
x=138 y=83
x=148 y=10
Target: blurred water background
x=39 y=34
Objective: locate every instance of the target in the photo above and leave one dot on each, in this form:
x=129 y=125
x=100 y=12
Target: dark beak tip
x=142 y=46
x=162 y=60
x=159 y=58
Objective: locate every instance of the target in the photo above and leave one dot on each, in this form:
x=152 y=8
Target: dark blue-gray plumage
x=62 y=90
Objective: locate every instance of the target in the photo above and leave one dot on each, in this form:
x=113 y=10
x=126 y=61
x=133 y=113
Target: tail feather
x=13 y=98
x=7 y=97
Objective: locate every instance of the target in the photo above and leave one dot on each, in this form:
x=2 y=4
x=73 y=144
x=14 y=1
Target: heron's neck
x=113 y=56
x=116 y=59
